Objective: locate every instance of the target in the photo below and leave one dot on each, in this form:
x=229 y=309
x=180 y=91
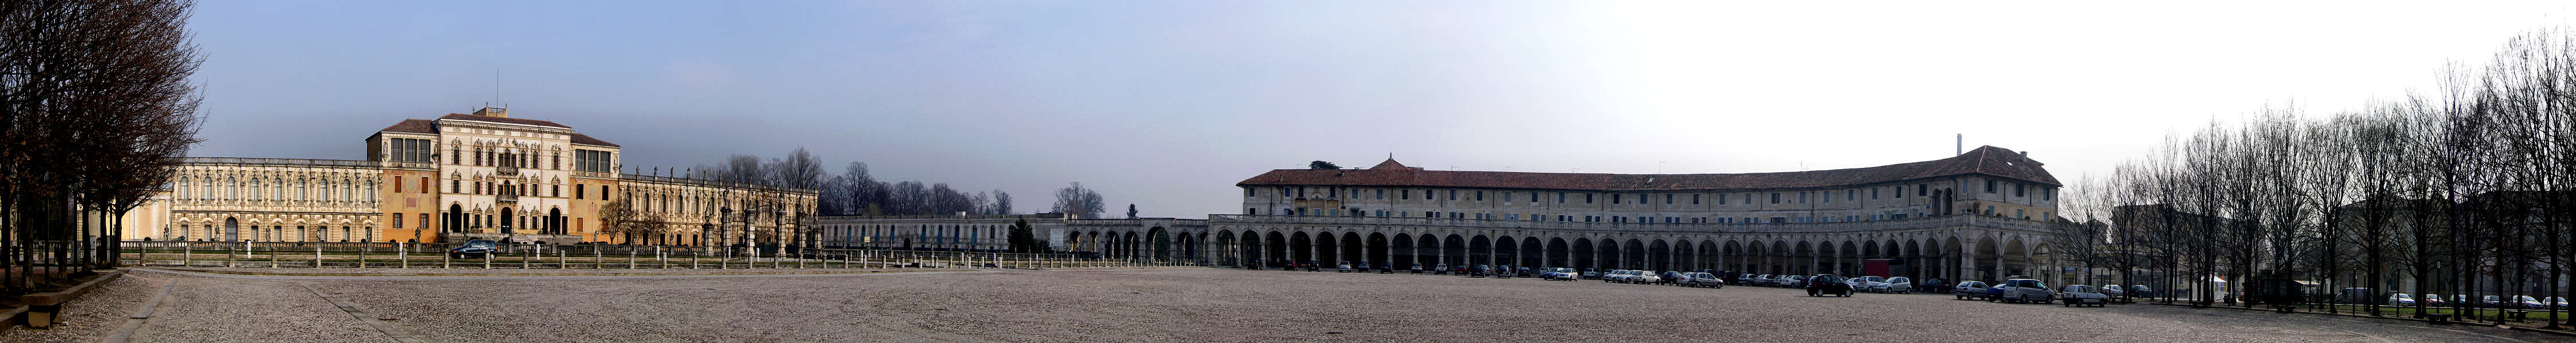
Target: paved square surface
x=1132 y=305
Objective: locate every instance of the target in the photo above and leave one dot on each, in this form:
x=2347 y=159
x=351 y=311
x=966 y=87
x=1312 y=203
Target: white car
x=1898 y=284
x=2025 y=290
x=1615 y=275
x=2111 y=290
x=1642 y=276
x=2400 y=299
x=2079 y=295
x=1563 y=274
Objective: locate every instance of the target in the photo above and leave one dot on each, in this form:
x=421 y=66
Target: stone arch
x=1557 y=251
x=1585 y=255
x=1659 y=255
x=1506 y=250
x=1635 y=255
x=1278 y=252
x=1532 y=253
x=1353 y=249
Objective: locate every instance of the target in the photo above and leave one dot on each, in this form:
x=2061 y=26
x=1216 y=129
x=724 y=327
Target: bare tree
x=1076 y=200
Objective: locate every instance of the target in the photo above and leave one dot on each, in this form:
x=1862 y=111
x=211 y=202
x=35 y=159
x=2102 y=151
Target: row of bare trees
x=94 y=108
x=855 y=192
x=2464 y=191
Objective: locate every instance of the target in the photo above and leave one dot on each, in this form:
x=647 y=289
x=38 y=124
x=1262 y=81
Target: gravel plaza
x=1149 y=305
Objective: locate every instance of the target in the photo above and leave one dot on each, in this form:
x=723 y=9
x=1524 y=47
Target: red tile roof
x=1986 y=160
x=413 y=126
x=578 y=138
x=508 y=120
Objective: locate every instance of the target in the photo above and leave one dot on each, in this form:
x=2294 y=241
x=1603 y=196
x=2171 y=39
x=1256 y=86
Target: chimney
x=1962 y=148
x=493 y=112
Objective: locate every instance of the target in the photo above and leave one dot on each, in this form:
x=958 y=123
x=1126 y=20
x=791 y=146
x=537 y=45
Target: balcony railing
x=505 y=197
x=507 y=171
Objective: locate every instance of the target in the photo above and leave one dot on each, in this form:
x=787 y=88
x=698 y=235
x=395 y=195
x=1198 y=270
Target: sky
x=1166 y=104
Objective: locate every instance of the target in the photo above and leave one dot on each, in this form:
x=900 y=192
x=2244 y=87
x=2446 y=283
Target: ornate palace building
x=483 y=175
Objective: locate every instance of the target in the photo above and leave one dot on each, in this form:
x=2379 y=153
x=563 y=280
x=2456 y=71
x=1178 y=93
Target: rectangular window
x=1851 y=194
x=1560 y=198
x=1775 y=197
x=1453 y=195
x=1668 y=199
x=2020 y=191
x=1802 y=197
x=2048 y=194
x=1247 y=192
x=1990 y=186
x=1873 y=193
x=1533 y=197
x=398 y=187
x=1480 y=195
x=1381 y=195
x=1615 y=198
x=1406 y=194
x=424 y=221
x=1694 y=199
x=1587 y=198
x=398 y=217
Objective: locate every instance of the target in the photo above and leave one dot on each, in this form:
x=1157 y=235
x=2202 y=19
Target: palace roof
x=578 y=138
x=1985 y=160
x=413 y=126
x=505 y=120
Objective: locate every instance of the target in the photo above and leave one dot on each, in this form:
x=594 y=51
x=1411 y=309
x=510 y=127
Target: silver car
x=1700 y=280
x=2025 y=290
x=1898 y=284
x=2079 y=295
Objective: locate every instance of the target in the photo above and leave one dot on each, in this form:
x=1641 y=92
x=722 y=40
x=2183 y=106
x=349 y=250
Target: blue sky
x=1167 y=103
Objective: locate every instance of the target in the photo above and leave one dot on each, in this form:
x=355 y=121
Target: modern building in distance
x=483 y=175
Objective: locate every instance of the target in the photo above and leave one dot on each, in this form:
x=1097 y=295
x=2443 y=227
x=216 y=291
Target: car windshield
x=1872 y=279
x=478 y=243
x=2527 y=298
x=2079 y=289
x=1899 y=279
x=2401 y=296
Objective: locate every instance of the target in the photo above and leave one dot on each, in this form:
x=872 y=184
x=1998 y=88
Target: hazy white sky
x=1166 y=104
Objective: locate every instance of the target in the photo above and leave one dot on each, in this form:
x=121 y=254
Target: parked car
x=1696 y=279
x=1563 y=274
x=2530 y=303
x=2111 y=291
x=1971 y=290
x=1440 y=269
x=2433 y=300
x=2490 y=302
x=1865 y=283
x=2400 y=299
x=2024 y=290
x=2559 y=302
x=1614 y=275
x=1827 y=284
x=1314 y=267
x=1345 y=267
x=2141 y=291
x=2080 y=295
x=1670 y=276
x=1385 y=268
x=1797 y=281
x=1643 y=277
x=472 y=249
x=1480 y=271
x=1589 y=274
x=1460 y=270
x=1743 y=279
x=1898 y=284
x=1525 y=272
x=1502 y=272
x=1417 y=268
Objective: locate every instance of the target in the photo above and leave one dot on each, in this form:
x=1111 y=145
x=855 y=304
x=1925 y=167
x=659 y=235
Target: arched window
x=254 y=190
x=301 y=186
x=183 y=188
